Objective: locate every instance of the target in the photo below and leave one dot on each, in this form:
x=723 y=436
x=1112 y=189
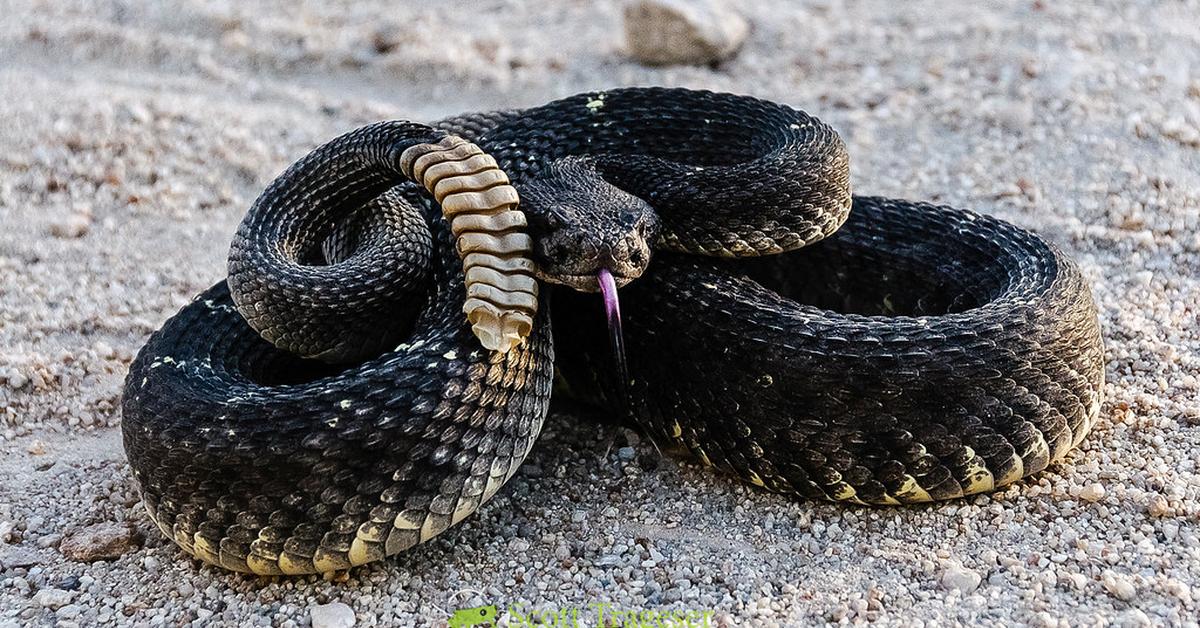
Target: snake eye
x=648 y=225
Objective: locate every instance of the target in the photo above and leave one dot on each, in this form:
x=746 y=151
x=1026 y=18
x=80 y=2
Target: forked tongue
x=612 y=311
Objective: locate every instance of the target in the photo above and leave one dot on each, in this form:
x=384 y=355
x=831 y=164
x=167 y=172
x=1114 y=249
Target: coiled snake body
x=329 y=404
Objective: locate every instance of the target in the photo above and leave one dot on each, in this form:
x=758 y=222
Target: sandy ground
x=135 y=135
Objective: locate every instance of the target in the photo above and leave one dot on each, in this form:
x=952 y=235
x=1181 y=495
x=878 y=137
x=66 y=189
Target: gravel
x=136 y=134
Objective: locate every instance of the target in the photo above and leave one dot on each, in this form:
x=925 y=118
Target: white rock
x=52 y=598
x=332 y=615
x=1046 y=620
x=1092 y=493
x=17 y=556
x=1078 y=580
x=1180 y=590
x=6 y=531
x=1119 y=586
x=103 y=349
x=1133 y=618
x=16 y=379
x=961 y=579
x=70 y=611
x=665 y=32
x=136 y=112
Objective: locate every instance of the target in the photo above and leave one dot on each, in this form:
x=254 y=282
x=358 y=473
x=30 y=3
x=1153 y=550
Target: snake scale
x=330 y=403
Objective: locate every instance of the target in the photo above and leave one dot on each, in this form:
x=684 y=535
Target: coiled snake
x=328 y=404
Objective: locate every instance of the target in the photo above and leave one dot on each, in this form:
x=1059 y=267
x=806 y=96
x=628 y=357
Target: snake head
x=581 y=224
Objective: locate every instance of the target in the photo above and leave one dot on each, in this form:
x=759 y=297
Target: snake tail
x=284 y=422
x=489 y=230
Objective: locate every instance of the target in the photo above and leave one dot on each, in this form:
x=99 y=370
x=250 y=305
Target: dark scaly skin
x=689 y=171
x=257 y=460
x=919 y=353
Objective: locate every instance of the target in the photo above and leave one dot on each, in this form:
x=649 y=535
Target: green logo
x=568 y=617
x=477 y=616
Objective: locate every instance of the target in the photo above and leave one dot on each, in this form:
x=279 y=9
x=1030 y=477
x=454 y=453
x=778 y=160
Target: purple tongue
x=612 y=310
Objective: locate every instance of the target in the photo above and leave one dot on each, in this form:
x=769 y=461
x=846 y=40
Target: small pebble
x=70 y=611
x=52 y=598
x=102 y=541
x=1134 y=618
x=961 y=579
x=1120 y=586
x=1092 y=493
x=332 y=615
x=14 y=378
